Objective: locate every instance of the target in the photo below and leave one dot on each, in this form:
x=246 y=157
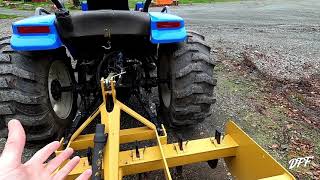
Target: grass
x=202 y=1
x=268 y=122
x=6 y=16
x=31 y=6
x=131 y=3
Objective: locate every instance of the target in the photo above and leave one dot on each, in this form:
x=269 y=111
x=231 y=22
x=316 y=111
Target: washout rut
x=267 y=54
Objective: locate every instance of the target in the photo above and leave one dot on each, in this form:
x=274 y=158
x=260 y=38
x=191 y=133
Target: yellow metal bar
x=136 y=134
x=82 y=142
x=196 y=151
x=111 y=153
x=251 y=161
x=81 y=167
x=126 y=136
x=136 y=116
x=83 y=126
x=163 y=138
x=235 y=146
x=245 y=159
x=102 y=85
x=278 y=177
x=120 y=174
x=113 y=91
x=104 y=116
x=164 y=161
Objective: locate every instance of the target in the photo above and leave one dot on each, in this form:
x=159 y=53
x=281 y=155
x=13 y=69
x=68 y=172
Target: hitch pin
x=107 y=81
x=112 y=77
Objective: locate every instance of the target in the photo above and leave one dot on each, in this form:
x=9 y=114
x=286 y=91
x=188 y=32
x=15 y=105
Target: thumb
x=13 y=149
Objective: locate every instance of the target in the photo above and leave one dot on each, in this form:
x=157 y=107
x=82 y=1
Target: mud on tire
x=24 y=95
x=188 y=95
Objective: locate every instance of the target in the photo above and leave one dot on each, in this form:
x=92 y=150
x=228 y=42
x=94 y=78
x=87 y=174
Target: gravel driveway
x=280 y=37
x=287 y=32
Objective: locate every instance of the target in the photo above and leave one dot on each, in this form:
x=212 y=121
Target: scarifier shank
x=244 y=158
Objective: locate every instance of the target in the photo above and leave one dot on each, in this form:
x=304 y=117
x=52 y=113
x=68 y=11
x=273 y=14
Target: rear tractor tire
x=186 y=96
x=29 y=92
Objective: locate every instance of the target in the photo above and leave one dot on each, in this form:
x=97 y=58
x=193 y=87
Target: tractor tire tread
x=22 y=95
x=192 y=90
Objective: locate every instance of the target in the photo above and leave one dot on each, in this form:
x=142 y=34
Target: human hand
x=35 y=168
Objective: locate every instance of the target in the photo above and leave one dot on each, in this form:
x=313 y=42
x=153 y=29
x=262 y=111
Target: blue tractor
x=50 y=70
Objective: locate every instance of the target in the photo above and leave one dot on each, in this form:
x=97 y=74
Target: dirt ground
x=268 y=56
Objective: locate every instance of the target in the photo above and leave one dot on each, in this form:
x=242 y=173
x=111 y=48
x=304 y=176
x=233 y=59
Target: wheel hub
x=165 y=86
x=60 y=89
x=56 y=90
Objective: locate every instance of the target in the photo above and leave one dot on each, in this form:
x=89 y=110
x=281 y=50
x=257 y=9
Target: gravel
x=281 y=36
x=5 y=29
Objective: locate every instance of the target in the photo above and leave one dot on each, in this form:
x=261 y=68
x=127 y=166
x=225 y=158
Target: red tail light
x=33 y=29
x=162 y=25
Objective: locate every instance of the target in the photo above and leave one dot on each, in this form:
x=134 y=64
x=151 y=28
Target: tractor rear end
x=60 y=72
x=55 y=58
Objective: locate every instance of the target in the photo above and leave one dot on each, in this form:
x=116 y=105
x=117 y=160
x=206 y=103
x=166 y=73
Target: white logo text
x=296 y=162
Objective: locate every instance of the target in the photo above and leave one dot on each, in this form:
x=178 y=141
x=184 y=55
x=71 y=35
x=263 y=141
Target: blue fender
x=51 y=39
x=166 y=35
x=35 y=41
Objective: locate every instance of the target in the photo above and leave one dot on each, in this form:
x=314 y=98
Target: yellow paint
x=245 y=159
x=126 y=136
x=252 y=161
x=111 y=153
x=163 y=159
x=83 y=126
x=136 y=116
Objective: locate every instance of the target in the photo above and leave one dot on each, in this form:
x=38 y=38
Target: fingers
x=85 y=175
x=61 y=174
x=57 y=161
x=43 y=154
x=14 y=147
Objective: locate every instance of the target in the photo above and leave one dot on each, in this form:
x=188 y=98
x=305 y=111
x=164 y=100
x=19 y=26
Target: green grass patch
x=21 y=5
x=31 y=6
x=202 y=1
x=268 y=122
x=133 y=2
x=38 y=4
x=6 y=16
